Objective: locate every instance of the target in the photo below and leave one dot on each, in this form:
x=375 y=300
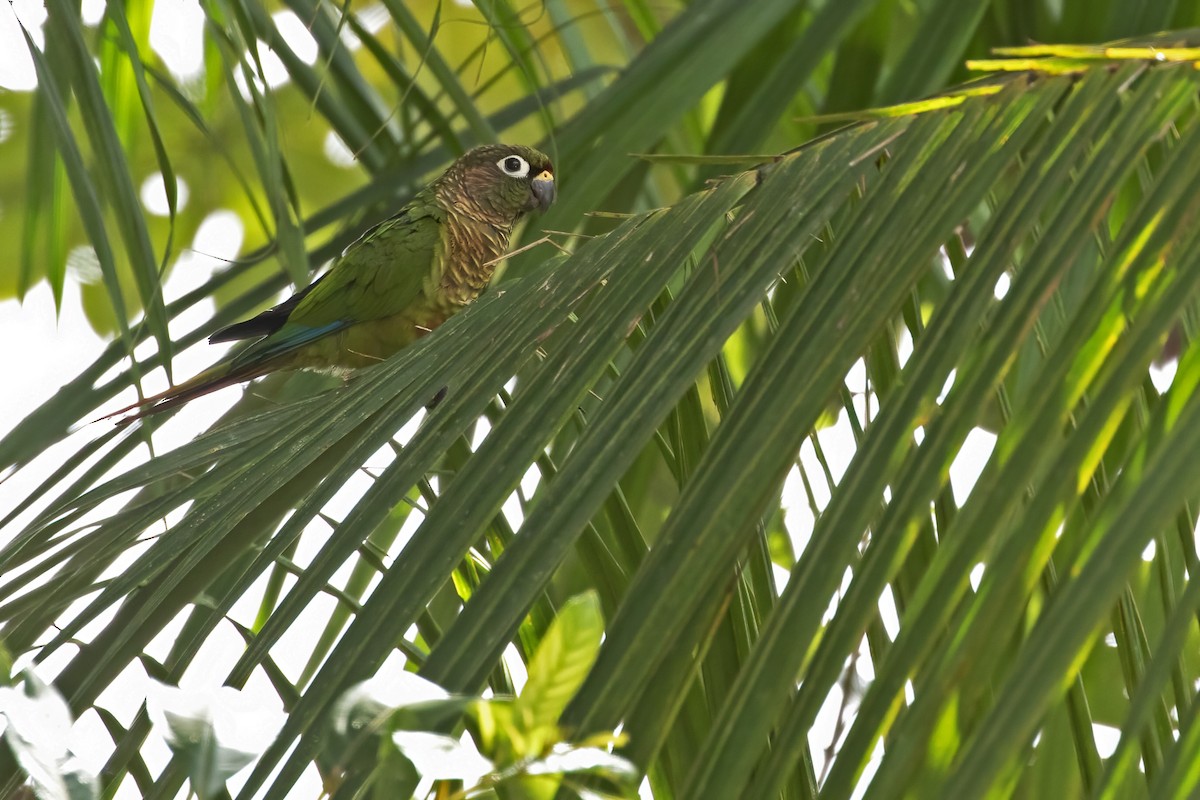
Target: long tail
x=210 y=380
x=265 y=355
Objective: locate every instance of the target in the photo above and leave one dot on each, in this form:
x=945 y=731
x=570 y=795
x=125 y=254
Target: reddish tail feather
x=204 y=383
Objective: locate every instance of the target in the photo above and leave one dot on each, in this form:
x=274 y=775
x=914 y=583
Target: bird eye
x=514 y=166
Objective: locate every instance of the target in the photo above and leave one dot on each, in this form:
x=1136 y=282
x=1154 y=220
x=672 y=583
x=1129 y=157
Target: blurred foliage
x=837 y=247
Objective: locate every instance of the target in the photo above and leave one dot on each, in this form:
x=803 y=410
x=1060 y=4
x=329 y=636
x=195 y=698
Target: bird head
x=503 y=181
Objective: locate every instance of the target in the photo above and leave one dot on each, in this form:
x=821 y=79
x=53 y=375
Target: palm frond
x=1002 y=260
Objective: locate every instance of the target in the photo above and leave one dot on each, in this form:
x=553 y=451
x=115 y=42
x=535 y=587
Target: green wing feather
x=392 y=269
x=380 y=275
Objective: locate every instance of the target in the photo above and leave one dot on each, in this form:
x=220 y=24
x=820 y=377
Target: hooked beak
x=543 y=190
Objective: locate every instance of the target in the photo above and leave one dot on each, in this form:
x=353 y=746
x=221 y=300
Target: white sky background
x=51 y=350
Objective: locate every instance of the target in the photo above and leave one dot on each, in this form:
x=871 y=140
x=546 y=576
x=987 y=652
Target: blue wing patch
x=288 y=338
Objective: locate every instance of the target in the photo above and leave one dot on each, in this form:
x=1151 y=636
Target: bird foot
x=437 y=399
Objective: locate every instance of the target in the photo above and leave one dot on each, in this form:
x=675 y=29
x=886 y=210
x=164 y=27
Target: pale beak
x=543 y=190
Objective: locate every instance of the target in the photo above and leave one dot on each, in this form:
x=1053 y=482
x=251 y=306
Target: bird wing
x=265 y=323
x=381 y=274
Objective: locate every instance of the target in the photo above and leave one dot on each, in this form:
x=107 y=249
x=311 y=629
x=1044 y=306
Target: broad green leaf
x=214 y=730
x=36 y=725
x=439 y=757
x=562 y=659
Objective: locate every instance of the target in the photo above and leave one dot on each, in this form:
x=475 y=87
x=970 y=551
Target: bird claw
x=437 y=399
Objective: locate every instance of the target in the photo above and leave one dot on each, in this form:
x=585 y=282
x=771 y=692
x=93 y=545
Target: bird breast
x=473 y=249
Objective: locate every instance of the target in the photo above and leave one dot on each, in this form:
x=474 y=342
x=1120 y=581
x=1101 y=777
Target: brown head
x=498 y=183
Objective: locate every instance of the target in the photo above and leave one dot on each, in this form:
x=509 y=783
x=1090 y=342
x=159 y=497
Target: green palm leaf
x=624 y=413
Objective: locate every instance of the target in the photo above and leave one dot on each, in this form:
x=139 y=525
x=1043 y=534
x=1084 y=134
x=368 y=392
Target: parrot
x=395 y=283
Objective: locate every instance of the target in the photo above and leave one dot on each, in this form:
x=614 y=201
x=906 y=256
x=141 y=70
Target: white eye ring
x=513 y=166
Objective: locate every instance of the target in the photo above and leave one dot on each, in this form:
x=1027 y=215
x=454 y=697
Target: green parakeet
x=400 y=280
